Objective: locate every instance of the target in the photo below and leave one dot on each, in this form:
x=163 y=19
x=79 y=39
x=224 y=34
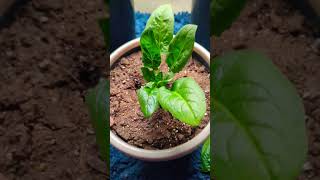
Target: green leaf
x=186 y=101
x=181 y=47
x=161 y=22
x=166 y=79
x=151 y=56
x=258 y=123
x=97 y=101
x=148 y=74
x=223 y=13
x=148 y=100
x=205 y=156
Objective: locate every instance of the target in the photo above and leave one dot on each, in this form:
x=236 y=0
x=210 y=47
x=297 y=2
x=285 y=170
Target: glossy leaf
x=151 y=56
x=257 y=121
x=185 y=101
x=161 y=22
x=205 y=156
x=181 y=47
x=223 y=13
x=148 y=100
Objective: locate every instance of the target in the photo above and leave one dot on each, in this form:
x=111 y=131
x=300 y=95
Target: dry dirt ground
x=277 y=29
x=50 y=54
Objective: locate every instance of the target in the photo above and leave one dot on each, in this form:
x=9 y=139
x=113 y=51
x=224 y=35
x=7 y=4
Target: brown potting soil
x=50 y=54
x=161 y=130
x=280 y=31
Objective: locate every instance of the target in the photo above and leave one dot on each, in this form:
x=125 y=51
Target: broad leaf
x=161 y=22
x=257 y=121
x=205 y=156
x=181 y=47
x=148 y=100
x=186 y=101
x=97 y=101
x=151 y=56
x=223 y=13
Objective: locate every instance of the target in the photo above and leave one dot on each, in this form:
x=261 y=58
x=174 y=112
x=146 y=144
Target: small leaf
x=97 y=101
x=223 y=13
x=181 y=47
x=151 y=56
x=148 y=74
x=205 y=156
x=158 y=77
x=161 y=22
x=148 y=100
x=166 y=79
x=186 y=101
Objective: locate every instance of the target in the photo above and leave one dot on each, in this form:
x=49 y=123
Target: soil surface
x=50 y=54
x=277 y=29
x=161 y=130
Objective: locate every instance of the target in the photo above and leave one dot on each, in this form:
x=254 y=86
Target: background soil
x=161 y=130
x=50 y=55
x=277 y=29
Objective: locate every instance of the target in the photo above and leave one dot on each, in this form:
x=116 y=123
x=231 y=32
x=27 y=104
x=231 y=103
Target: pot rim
x=164 y=154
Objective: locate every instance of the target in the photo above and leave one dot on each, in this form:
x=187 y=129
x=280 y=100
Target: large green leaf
x=186 y=101
x=161 y=22
x=148 y=100
x=206 y=156
x=257 y=121
x=223 y=13
x=181 y=47
x=151 y=56
x=97 y=101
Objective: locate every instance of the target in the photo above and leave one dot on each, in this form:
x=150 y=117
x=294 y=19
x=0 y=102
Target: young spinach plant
x=185 y=100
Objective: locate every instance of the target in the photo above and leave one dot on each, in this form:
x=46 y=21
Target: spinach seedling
x=185 y=100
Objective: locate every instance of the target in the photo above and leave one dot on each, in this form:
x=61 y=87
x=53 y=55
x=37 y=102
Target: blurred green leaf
x=97 y=101
x=258 y=120
x=205 y=156
x=223 y=13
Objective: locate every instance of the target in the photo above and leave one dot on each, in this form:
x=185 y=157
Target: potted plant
x=154 y=102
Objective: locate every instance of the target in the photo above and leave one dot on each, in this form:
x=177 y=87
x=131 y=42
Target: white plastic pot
x=165 y=154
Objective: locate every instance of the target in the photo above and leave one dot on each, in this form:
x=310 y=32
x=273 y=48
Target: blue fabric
x=123 y=167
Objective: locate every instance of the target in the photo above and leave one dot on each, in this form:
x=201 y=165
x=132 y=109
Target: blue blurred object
x=180 y=19
x=201 y=17
x=122 y=23
x=123 y=167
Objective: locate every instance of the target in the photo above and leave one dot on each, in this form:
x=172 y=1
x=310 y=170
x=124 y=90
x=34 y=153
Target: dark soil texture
x=280 y=31
x=161 y=130
x=51 y=54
